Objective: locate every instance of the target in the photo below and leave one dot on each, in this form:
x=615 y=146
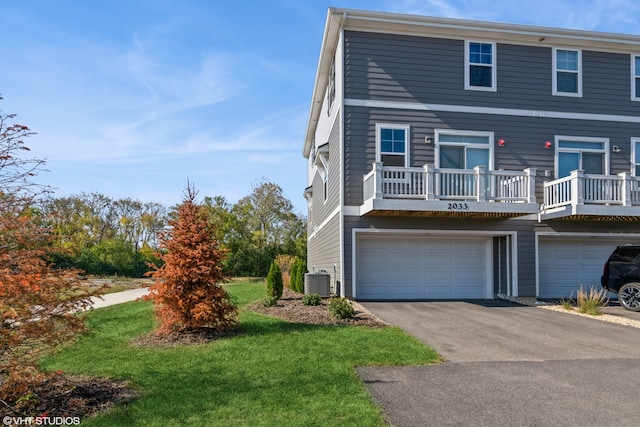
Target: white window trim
x=407 y=138
x=494 y=67
x=325 y=187
x=558 y=150
x=555 y=73
x=438 y=132
x=321 y=163
x=634 y=141
x=633 y=77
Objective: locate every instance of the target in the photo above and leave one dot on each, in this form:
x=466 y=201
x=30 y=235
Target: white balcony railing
x=429 y=183
x=582 y=189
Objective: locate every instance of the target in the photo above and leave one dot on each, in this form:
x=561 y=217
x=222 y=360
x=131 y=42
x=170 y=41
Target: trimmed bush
x=270 y=301
x=274 y=281
x=311 y=299
x=341 y=308
x=298 y=270
x=294 y=275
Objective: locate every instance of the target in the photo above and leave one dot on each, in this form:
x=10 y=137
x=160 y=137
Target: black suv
x=622 y=275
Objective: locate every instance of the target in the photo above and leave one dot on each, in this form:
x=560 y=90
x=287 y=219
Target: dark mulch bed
x=290 y=308
x=61 y=395
x=189 y=337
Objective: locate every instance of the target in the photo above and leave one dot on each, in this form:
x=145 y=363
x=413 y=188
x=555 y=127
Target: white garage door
x=422 y=267
x=565 y=264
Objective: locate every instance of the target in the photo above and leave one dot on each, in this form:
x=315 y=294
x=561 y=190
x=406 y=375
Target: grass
x=588 y=301
x=567 y=304
x=275 y=373
x=591 y=301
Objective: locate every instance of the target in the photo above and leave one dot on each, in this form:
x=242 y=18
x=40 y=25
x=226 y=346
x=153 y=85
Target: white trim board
x=490 y=110
x=324 y=223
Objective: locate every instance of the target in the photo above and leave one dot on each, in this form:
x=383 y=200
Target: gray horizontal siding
x=431 y=70
x=323 y=250
x=322 y=209
x=524 y=136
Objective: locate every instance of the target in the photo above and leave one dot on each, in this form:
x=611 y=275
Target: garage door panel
x=438 y=276
x=439 y=292
x=425 y=267
x=564 y=264
x=469 y=292
x=469 y=277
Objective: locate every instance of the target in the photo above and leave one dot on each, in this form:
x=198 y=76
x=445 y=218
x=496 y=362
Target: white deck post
x=626 y=188
x=531 y=179
x=377 y=180
x=429 y=176
x=481 y=182
x=577 y=187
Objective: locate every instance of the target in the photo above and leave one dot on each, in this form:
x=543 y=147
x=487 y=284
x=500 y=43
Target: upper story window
x=322 y=162
x=579 y=153
x=635 y=156
x=463 y=149
x=480 y=66
x=567 y=72
x=635 y=78
x=392 y=144
x=331 y=87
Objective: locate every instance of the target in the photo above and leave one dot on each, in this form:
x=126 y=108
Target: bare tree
x=17 y=171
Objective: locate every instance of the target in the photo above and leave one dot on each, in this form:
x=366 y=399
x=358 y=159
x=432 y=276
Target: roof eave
x=327 y=51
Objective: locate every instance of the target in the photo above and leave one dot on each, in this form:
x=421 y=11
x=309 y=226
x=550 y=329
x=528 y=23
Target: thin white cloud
x=597 y=15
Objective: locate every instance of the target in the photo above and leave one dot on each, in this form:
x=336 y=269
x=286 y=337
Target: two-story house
x=461 y=159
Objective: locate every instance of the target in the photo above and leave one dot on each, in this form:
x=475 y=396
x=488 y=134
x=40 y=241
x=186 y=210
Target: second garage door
x=566 y=264
x=399 y=267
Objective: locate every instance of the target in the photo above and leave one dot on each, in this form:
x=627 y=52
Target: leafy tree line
x=256 y=229
x=106 y=236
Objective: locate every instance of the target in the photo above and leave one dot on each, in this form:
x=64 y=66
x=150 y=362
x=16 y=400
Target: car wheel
x=629 y=296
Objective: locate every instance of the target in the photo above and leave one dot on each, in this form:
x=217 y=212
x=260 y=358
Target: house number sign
x=458 y=206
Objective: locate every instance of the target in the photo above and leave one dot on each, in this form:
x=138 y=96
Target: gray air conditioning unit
x=317 y=283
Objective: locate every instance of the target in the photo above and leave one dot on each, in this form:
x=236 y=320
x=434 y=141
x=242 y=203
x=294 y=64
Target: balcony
x=581 y=195
x=428 y=191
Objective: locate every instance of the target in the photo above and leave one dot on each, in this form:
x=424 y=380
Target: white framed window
x=635 y=77
x=480 y=66
x=635 y=156
x=322 y=162
x=325 y=186
x=567 y=72
x=463 y=149
x=392 y=144
x=590 y=155
x=331 y=87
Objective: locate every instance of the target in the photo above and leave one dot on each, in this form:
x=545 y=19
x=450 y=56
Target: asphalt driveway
x=508 y=364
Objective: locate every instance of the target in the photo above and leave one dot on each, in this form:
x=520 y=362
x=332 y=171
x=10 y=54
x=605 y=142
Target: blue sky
x=130 y=98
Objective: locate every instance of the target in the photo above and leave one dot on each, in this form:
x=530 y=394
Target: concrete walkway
x=118 y=297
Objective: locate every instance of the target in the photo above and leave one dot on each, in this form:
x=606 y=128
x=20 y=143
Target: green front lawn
x=274 y=373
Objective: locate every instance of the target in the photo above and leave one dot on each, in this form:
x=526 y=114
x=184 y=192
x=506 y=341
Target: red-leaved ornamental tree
x=38 y=303
x=187 y=292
